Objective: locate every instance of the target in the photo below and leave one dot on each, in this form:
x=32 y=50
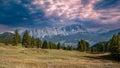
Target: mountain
x=70 y=35
x=111 y=32
x=91 y=37
x=74 y=38
x=6 y=35
x=54 y=31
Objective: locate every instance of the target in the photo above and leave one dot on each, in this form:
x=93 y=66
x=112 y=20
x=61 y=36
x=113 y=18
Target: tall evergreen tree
x=16 y=39
x=26 y=40
x=58 y=45
x=79 y=46
x=87 y=46
x=69 y=47
x=64 y=48
x=115 y=46
x=33 y=42
x=45 y=45
x=52 y=45
x=100 y=47
x=38 y=43
x=83 y=45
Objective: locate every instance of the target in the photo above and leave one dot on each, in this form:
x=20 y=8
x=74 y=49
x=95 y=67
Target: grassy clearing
x=18 y=57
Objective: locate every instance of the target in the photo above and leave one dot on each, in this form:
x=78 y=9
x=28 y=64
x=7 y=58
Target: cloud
x=68 y=8
x=109 y=16
x=42 y=13
x=4 y=28
x=83 y=10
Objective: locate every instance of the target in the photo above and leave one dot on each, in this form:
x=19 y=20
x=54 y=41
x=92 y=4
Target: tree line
x=112 y=46
x=27 y=41
x=31 y=42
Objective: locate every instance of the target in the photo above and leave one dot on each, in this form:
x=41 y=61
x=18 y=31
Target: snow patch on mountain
x=54 y=31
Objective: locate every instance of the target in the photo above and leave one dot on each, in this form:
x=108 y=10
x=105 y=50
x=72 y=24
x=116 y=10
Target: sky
x=92 y=14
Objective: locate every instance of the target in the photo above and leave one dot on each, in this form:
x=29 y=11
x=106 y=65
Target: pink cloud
x=110 y=15
x=69 y=9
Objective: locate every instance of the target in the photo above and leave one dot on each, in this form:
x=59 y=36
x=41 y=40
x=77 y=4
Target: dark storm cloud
x=15 y=13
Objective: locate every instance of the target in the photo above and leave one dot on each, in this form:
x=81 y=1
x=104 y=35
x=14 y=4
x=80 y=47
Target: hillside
x=18 y=57
x=6 y=35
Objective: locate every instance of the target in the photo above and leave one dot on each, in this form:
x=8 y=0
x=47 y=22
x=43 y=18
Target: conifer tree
x=115 y=46
x=32 y=42
x=54 y=46
x=26 y=40
x=45 y=45
x=38 y=43
x=87 y=46
x=64 y=48
x=83 y=45
x=101 y=47
x=69 y=47
x=58 y=45
x=51 y=45
x=16 y=39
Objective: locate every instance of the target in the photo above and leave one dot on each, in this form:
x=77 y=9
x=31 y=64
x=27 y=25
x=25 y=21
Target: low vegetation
x=19 y=57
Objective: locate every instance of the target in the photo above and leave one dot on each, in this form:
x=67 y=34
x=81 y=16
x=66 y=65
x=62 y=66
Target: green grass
x=18 y=57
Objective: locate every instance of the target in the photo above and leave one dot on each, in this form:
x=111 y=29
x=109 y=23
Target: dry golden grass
x=18 y=57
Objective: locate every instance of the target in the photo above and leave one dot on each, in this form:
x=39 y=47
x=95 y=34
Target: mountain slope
x=93 y=38
x=110 y=33
x=47 y=31
x=70 y=35
x=74 y=38
x=6 y=35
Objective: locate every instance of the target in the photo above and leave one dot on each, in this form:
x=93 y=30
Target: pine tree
x=45 y=45
x=79 y=46
x=38 y=43
x=64 y=48
x=83 y=45
x=58 y=45
x=26 y=40
x=52 y=45
x=101 y=47
x=115 y=46
x=87 y=46
x=32 y=42
x=16 y=39
x=69 y=47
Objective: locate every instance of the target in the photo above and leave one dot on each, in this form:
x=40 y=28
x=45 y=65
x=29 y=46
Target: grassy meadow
x=18 y=57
